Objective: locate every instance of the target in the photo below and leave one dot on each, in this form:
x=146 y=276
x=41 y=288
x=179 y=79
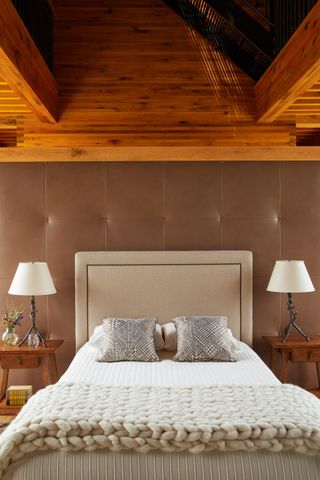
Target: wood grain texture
x=154 y=154
x=295 y=70
x=133 y=74
x=10 y=102
x=11 y=109
x=23 y=68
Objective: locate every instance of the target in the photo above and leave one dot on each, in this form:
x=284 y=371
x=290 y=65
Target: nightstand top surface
x=292 y=342
x=51 y=347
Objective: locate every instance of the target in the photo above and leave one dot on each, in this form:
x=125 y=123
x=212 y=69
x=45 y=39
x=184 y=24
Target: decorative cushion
x=129 y=339
x=201 y=339
x=97 y=337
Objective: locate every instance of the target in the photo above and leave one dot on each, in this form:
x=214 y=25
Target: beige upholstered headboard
x=163 y=284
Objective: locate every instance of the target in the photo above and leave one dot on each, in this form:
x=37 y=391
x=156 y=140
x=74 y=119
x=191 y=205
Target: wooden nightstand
x=297 y=350
x=26 y=357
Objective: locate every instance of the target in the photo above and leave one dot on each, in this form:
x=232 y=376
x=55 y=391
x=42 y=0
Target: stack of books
x=18 y=395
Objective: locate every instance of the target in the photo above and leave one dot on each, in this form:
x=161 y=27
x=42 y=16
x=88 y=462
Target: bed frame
x=163 y=284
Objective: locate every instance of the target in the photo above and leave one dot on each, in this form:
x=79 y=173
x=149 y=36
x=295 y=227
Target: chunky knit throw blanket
x=170 y=419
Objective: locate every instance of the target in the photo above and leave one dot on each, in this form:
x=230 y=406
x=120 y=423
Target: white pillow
x=170 y=338
x=96 y=338
x=97 y=341
x=235 y=344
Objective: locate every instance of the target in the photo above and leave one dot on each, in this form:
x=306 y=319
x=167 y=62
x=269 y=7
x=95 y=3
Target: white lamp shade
x=290 y=276
x=32 y=278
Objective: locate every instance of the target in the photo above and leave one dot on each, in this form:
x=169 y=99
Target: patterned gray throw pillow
x=129 y=339
x=202 y=339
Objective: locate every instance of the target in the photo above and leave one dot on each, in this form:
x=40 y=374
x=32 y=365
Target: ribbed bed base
x=106 y=465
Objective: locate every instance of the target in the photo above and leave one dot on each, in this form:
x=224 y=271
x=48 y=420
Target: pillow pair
x=198 y=339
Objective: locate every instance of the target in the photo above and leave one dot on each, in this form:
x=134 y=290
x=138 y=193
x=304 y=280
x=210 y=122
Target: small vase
x=10 y=337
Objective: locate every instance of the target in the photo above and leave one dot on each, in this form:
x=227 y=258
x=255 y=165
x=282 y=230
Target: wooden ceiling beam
x=23 y=68
x=308 y=121
x=293 y=72
x=155 y=154
x=8 y=123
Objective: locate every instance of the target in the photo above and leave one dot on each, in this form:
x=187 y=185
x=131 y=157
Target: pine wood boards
x=294 y=71
x=23 y=68
x=151 y=154
x=132 y=74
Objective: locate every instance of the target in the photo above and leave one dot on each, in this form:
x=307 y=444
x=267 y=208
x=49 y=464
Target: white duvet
x=248 y=370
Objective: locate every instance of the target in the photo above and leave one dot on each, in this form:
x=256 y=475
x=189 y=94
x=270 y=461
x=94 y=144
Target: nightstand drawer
x=305 y=355
x=20 y=361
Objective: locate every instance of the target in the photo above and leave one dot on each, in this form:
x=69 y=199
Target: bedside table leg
x=273 y=360
x=53 y=368
x=4 y=382
x=284 y=367
x=45 y=371
x=318 y=372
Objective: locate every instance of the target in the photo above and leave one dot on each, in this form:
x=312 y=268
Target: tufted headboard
x=163 y=284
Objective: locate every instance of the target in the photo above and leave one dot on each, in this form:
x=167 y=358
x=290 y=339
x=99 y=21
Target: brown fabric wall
x=50 y=211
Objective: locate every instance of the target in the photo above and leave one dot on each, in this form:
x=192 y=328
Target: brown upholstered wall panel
x=49 y=212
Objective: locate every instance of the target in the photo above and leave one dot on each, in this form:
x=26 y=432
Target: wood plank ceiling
x=132 y=73
x=290 y=88
x=11 y=110
x=23 y=67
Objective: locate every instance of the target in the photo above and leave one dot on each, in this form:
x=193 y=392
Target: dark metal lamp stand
x=292 y=323
x=33 y=327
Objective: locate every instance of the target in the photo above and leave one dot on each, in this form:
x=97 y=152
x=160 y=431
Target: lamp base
x=292 y=323
x=288 y=330
x=33 y=327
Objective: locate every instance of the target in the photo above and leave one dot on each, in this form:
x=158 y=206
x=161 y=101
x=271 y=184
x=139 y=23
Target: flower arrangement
x=12 y=317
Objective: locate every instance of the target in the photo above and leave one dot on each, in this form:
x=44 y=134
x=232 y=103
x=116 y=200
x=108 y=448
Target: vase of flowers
x=11 y=319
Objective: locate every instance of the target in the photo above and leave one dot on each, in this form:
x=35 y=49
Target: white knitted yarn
x=171 y=419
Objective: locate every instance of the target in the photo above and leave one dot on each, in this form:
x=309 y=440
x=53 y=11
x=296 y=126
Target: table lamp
x=32 y=278
x=290 y=276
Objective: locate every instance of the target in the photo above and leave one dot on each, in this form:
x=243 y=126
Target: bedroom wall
x=50 y=211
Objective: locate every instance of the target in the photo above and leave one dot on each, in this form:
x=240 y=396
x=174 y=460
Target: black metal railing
x=38 y=19
x=287 y=15
x=231 y=30
x=260 y=9
x=249 y=32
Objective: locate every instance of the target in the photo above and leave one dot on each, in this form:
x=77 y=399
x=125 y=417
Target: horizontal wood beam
x=8 y=123
x=155 y=154
x=308 y=121
x=293 y=72
x=23 y=68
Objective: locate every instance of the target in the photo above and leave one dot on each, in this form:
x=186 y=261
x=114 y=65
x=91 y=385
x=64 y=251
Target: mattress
x=106 y=465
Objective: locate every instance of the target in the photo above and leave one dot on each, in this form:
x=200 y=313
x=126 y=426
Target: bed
x=165 y=284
